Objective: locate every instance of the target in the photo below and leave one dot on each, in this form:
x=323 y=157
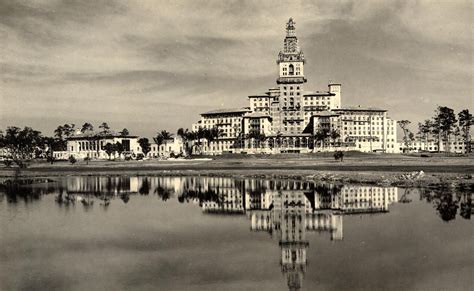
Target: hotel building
x=287 y=117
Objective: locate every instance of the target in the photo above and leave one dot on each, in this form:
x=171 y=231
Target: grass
x=364 y=168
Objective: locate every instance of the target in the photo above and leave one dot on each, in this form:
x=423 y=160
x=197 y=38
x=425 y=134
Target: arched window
x=291 y=70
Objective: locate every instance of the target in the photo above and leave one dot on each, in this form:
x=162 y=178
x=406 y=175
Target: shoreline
x=380 y=171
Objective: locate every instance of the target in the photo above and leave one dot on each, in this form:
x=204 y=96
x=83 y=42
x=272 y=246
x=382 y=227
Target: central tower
x=291 y=58
x=288 y=117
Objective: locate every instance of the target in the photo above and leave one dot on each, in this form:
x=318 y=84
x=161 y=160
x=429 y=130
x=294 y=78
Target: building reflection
x=287 y=210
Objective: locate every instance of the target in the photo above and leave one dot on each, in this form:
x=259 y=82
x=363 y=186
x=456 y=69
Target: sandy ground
x=380 y=169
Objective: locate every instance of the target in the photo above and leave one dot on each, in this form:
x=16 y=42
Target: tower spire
x=290 y=28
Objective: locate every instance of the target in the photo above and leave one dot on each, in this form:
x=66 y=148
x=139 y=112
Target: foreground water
x=209 y=233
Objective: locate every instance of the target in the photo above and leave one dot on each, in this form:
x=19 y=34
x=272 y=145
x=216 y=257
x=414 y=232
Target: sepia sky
x=152 y=65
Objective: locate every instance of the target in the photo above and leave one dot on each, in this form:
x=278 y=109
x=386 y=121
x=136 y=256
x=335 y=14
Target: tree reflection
x=447 y=200
x=163 y=193
x=145 y=188
x=125 y=197
x=466 y=206
x=447 y=207
x=26 y=190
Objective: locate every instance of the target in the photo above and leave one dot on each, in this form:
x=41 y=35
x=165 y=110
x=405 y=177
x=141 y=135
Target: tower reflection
x=289 y=209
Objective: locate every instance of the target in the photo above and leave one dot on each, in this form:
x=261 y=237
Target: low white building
x=456 y=145
x=91 y=144
x=172 y=147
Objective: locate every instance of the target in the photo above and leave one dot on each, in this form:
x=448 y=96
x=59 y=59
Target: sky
x=154 y=65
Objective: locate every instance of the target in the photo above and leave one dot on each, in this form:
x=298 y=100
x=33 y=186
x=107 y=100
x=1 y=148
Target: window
x=291 y=70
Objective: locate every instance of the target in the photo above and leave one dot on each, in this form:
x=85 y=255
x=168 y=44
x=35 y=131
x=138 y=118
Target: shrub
x=8 y=163
x=72 y=160
x=140 y=156
x=339 y=155
x=50 y=159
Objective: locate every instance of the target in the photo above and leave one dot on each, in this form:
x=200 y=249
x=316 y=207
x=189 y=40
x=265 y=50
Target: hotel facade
x=288 y=118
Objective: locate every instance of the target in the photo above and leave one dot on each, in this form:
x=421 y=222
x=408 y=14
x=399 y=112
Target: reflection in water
x=286 y=209
x=447 y=202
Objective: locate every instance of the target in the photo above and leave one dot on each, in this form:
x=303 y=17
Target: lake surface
x=210 y=233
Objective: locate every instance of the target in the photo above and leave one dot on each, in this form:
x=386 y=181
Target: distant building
x=456 y=145
x=172 y=147
x=91 y=144
x=286 y=118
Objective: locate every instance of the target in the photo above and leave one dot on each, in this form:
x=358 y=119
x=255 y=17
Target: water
x=208 y=233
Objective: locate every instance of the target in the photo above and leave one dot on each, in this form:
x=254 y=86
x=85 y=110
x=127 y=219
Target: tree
x=411 y=139
x=339 y=155
x=162 y=136
x=258 y=137
x=404 y=126
x=119 y=148
x=2 y=139
x=50 y=143
x=445 y=119
x=109 y=149
x=62 y=132
x=72 y=159
x=105 y=127
x=465 y=122
x=424 y=130
x=185 y=136
x=334 y=134
x=87 y=127
x=321 y=135
x=145 y=145
x=21 y=144
x=124 y=132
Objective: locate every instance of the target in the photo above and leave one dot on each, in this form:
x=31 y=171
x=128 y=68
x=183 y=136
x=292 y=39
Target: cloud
x=73 y=58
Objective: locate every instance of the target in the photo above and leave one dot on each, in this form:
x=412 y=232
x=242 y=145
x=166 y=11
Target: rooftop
x=317 y=93
x=226 y=110
x=94 y=134
x=325 y=113
x=257 y=115
x=359 y=108
x=259 y=95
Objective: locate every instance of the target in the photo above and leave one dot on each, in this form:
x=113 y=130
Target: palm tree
x=162 y=137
